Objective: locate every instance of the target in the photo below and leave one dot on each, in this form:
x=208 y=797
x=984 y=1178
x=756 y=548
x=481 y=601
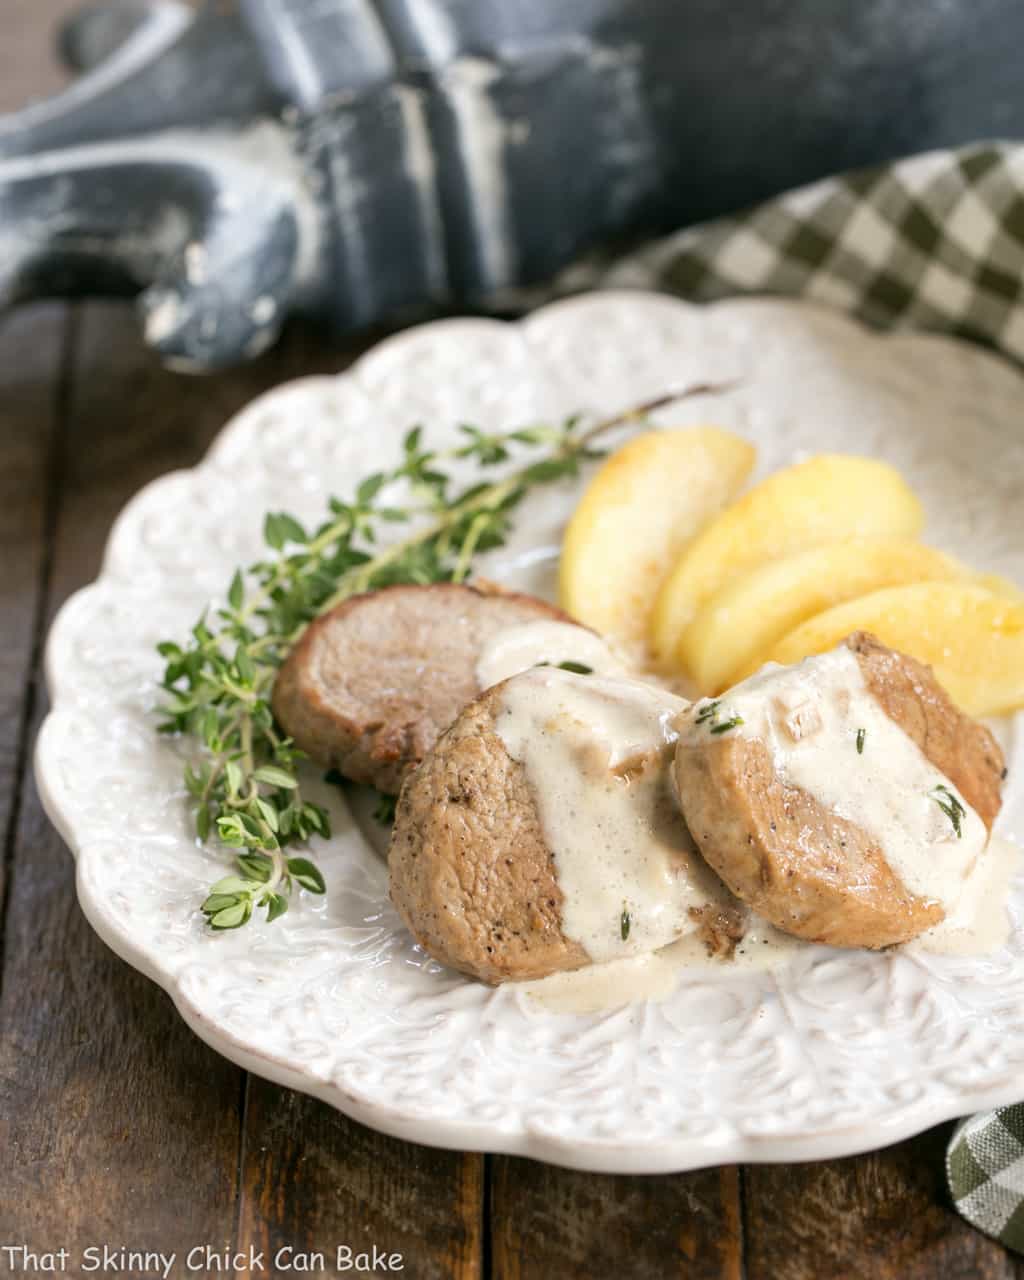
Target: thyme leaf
x=710 y=713
x=384 y=809
x=950 y=805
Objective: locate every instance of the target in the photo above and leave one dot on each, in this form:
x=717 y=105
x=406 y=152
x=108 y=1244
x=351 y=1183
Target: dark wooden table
x=118 y=1127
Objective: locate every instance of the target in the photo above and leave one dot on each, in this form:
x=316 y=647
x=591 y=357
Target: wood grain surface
x=556 y=1222
x=118 y=1126
x=882 y=1216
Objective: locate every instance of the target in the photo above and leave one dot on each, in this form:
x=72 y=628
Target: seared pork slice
x=542 y=832
x=794 y=861
x=844 y=799
x=371 y=685
x=471 y=873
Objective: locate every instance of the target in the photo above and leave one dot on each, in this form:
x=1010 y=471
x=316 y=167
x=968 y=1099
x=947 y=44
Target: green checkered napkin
x=932 y=242
x=985 y=1171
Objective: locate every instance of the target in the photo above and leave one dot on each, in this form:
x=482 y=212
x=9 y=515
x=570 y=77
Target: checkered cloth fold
x=933 y=242
x=985 y=1171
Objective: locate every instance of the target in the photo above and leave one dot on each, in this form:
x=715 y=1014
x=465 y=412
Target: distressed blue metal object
x=366 y=160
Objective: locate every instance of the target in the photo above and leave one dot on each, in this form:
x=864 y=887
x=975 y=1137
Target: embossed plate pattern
x=836 y=1053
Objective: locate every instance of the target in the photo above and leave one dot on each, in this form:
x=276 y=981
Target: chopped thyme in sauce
x=951 y=807
x=708 y=714
x=577 y=668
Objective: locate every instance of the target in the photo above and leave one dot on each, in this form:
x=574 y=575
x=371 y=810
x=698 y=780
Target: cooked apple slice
x=973 y=639
x=646 y=501
x=825 y=499
x=733 y=632
x=998 y=585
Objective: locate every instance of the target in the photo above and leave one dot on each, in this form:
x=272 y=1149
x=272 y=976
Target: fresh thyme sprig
x=245 y=788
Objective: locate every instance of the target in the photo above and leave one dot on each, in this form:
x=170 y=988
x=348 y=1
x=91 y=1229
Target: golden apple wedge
x=731 y=635
x=826 y=499
x=642 y=506
x=973 y=639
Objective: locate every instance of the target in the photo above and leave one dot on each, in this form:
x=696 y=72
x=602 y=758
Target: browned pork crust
x=470 y=871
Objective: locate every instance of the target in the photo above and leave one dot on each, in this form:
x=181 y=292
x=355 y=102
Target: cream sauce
x=979 y=925
x=980 y=922
x=531 y=644
x=597 y=754
x=811 y=717
x=655 y=976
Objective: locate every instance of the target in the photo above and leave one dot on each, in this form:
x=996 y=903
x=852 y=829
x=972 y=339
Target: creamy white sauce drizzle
x=655 y=976
x=979 y=925
x=518 y=648
x=597 y=754
x=810 y=717
x=980 y=921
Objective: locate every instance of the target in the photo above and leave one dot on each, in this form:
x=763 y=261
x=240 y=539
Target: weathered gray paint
x=358 y=159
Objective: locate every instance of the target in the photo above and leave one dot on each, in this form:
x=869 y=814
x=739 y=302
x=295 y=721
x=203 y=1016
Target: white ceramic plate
x=839 y=1052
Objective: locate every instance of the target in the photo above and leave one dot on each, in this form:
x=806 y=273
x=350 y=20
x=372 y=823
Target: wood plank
x=883 y=1216
x=314 y=1181
x=31 y=345
x=118 y=1124
x=554 y=1222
